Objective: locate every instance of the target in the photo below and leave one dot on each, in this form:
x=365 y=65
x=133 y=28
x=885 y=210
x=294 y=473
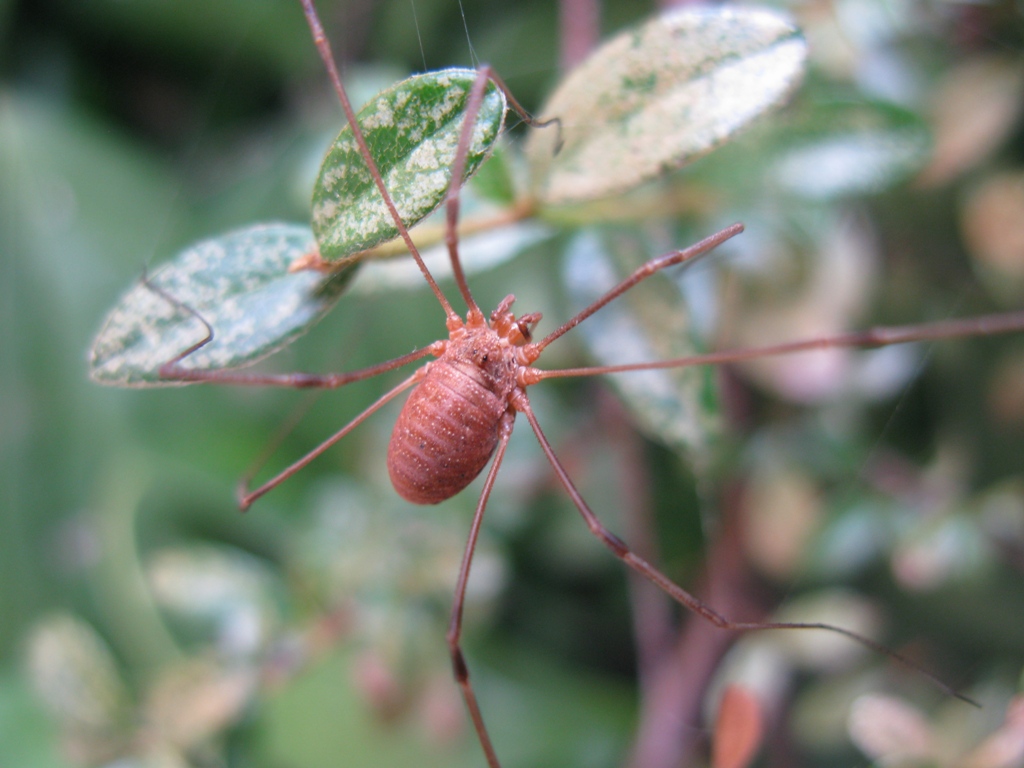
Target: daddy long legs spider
x=462 y=406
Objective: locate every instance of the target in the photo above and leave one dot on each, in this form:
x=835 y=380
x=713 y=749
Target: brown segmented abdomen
x=445 y=434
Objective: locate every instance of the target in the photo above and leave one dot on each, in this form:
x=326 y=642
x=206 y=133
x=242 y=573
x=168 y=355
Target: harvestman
x=464 y=404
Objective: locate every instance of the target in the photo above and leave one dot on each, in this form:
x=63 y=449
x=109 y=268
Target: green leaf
x=832 y=144
x=658 y=95
x=239 y=283
x=483 y=244
x=495 y=180
x=478 y=253
x=412 y=130
x=649 y=323
x=215 y=590
x=75 y=674
x=844 y=149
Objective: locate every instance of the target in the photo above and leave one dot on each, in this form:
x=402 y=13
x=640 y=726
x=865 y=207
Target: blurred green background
x=143 y=621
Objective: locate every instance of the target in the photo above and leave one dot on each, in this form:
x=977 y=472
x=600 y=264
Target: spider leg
x=454 y=636
x=247 y=497
x=686 y=599
x=173 y=371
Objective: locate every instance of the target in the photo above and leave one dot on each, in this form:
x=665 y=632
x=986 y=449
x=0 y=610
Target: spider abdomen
x=446 y=432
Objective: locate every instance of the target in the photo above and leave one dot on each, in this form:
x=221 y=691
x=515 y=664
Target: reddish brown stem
x=652 y=613
x=579 y=23
x=668 y=728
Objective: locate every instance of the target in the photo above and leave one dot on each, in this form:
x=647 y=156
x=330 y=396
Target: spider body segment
x=451 y=422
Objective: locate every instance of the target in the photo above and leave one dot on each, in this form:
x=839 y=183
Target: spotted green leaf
x=239 y=283
x=480 y=247
x=658 y=95
x=412 y=130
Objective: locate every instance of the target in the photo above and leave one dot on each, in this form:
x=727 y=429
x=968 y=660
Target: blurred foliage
x=144 y=621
